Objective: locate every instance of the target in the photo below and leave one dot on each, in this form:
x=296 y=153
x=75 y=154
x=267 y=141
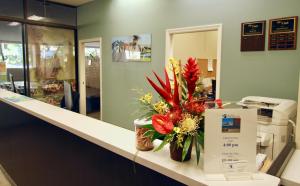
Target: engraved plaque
x=283 y=33
x=253 y=36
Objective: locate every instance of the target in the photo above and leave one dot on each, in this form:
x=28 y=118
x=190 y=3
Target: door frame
x=82 y=76
x=298 y=119
x=203 y=28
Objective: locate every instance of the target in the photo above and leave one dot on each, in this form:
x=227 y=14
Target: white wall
x=201 y=45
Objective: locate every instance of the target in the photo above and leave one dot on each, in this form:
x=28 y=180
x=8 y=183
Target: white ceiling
x=72 y=2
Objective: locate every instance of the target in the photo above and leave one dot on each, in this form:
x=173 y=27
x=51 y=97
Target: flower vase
x=176 y=151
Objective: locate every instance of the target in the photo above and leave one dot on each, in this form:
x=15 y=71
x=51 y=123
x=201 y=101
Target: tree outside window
x=11 y=54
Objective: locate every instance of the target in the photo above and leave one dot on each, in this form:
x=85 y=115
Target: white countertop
x=291 y=173
x=122 y=141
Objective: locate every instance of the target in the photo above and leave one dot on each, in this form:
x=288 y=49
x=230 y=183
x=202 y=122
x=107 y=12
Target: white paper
x=230 y=141
x=210 y=67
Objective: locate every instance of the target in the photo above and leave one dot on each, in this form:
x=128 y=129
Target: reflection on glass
x=51 y=12
x=11 y=8
x=11 y=57
x=51 y=62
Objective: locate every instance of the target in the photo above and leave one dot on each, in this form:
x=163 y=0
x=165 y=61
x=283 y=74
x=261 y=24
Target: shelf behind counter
x=121 y=142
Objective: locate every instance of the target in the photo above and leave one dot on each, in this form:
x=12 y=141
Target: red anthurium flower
x=162 y=124
x=219 y=103
x=191 y=74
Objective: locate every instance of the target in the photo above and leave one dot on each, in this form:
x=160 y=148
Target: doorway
x=90 y=77
x=203 y=43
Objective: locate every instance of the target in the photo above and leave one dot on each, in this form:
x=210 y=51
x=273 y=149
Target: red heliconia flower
x=191 y=74
x=165 y=92
x=162 y=124
x=175 y=115
x=219 y=103
x=196 y=107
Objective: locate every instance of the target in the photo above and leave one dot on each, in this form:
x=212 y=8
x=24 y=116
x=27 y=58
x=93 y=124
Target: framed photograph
x=133 y=48
x=231 y=124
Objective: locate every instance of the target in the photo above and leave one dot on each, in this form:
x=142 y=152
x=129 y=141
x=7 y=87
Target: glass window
x=11 y=57
x=51 y=62
x=91 y=52
x=11 y=8
x=51 y=12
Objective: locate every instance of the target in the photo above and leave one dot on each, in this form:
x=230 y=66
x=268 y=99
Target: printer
x=274 y=118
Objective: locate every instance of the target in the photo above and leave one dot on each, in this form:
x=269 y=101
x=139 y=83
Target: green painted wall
x=269 y=73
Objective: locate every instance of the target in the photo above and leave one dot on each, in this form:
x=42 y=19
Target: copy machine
x=275 y=120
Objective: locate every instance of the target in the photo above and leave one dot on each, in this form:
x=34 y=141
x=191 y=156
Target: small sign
x=287 y=25
x=254 y=28
x=210 y=65
x=253 y=36
x=283 y=33
x=17 y=98
x=230 y=141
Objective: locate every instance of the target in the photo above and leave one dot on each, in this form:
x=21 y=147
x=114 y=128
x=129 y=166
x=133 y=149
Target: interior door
x=90 y=78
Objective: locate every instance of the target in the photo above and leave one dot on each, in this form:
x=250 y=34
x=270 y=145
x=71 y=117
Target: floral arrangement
x=177 y=118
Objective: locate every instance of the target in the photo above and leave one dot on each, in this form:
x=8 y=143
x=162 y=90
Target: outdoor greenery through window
x=92 y=51
x=11 y=54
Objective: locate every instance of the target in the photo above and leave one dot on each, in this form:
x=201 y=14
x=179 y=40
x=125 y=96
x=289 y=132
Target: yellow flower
x=174 y=63
x=176 y=129
x=188 y=124
x=180 y=140
x=160 y=107
x=147 y=98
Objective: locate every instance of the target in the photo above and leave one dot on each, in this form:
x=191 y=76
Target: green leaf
x=149 y=126
x=184 y=89
x=197 y=149
x=164 y=142
x=148 y=114
x=200 y=138
x=156 y=135
x=186 y=147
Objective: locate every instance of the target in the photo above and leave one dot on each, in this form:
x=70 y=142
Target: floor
x=95 y=115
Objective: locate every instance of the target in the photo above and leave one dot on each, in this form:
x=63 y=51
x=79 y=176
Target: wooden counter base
x=36 y=153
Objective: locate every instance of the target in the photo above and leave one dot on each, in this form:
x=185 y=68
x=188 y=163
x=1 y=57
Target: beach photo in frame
x=132 y=48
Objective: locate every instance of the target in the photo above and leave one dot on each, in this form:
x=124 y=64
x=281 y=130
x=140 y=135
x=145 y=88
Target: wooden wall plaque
x=283 y=33
x=253 y=36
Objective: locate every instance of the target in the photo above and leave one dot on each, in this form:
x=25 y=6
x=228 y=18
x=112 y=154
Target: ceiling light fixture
x=35 y=18
x=13 y=24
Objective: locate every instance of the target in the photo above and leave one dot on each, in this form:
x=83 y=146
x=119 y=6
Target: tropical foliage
x=178 y=115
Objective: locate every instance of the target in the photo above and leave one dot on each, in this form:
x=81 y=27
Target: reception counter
x=87 y=136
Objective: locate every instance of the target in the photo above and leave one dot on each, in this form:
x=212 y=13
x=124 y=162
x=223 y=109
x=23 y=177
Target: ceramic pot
x=176 y=151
